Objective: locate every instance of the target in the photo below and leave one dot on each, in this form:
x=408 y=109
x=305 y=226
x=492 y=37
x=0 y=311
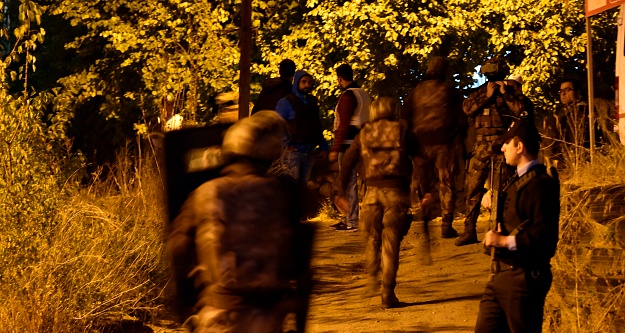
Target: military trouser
x=382 y=217
x=479 y=171
x=438 y=161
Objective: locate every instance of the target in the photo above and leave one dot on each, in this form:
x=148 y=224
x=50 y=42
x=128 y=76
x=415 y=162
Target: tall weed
x=101 y=256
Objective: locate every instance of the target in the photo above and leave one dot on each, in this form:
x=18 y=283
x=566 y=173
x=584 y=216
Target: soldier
x=493 y=107
x=383 y=145
x=525 y=239
x=239 y=251
x=434 y=110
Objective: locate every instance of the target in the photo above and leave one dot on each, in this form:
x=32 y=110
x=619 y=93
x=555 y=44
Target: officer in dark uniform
x=525 y=239
x=492 y=107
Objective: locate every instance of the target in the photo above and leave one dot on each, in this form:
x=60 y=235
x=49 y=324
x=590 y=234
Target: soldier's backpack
x=383 y=148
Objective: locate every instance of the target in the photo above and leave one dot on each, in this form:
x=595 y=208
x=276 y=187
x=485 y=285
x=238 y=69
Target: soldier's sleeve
x=475 y=104
x=181 y=246
x=520 y=105
x=412 y=144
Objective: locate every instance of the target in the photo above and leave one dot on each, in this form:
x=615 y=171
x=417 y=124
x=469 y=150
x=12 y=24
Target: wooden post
x=591 y=90
x=245 y=43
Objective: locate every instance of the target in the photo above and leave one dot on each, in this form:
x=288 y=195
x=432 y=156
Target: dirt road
x=441 y=297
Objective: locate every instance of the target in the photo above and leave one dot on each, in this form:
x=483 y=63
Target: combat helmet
x=260 y=137
x=383 y=108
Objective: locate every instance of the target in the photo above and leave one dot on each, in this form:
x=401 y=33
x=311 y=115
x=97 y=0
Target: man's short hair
x=287 y=68
x=532 y=146
x=577 y=86
x=526 y=132
x=345 y=72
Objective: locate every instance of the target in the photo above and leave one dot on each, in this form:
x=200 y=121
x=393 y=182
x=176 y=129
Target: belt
x=501 y=266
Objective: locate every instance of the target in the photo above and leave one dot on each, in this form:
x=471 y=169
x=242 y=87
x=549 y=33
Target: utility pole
x=245 y=43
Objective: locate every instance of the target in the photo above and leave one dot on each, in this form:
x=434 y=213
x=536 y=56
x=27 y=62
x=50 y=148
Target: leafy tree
x=136 y=60
x=389 y=42
x=34 y=159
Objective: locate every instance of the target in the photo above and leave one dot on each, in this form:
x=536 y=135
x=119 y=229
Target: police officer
x=492 y=108
x=525 y=239
x=238 y=248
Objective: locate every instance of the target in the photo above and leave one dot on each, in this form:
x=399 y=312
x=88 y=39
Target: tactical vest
x=383 y=149
x=306 y=128
x=493 y=120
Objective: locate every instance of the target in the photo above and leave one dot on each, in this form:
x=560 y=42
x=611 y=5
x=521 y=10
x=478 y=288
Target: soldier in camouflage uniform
x=383 y=145
x=239 y=250
x=493 y=107
x=434 y=110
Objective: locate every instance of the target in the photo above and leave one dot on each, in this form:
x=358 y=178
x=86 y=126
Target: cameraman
x=492 y=108
x=521 y=106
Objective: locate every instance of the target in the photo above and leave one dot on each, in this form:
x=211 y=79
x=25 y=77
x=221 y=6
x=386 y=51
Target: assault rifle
x=495 y=212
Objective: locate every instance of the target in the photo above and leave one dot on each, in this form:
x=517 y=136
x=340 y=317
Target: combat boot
x=447 y=229
x=372 y=287
x=468 y=237
x=389 y=300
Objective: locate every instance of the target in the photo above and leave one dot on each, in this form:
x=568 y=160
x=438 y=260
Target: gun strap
x=520 y=183
x=519 y=228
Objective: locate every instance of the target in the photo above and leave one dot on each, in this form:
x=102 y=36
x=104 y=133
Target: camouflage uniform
x=383 y=149
x=237 y=243
x=493 y=117
x=439 y=162
x=434 y=110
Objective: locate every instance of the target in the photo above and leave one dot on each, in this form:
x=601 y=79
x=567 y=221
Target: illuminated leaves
x=389 y=42
x=180 y=50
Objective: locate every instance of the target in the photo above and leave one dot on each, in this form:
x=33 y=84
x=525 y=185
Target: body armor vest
x=491 y=120
x=383 y=150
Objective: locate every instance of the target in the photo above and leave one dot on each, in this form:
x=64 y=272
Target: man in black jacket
x=525 y=239
x=276 y=87
x=301 y=111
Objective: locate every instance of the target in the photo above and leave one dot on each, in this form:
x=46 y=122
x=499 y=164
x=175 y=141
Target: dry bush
x=101 y=257
x=587 y=293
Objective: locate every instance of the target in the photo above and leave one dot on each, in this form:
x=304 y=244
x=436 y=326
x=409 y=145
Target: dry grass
x=587 y=293
x=101 y=257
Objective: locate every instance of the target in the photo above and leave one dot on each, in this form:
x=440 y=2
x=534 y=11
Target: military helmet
x=260 y=136
x=437 y=67
x=383 y=108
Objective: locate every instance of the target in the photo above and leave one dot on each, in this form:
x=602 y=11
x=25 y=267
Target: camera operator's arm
x=475 y=104
x=519 y=104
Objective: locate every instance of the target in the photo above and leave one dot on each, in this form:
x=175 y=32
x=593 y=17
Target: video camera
x=495 y=70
